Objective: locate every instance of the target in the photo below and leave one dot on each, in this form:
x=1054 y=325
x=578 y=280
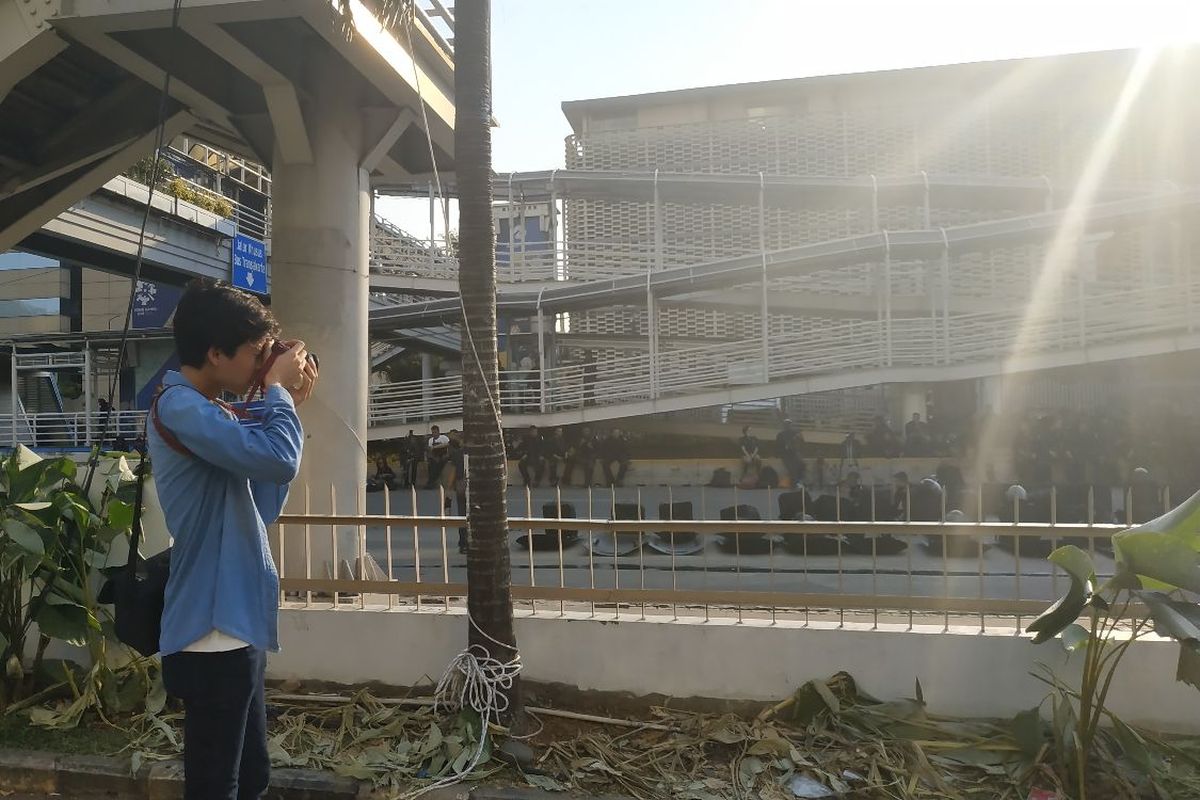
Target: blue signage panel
x=249 y=264
x=153 y=304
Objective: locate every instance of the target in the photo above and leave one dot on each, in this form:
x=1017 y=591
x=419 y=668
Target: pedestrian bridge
x=1121 y=324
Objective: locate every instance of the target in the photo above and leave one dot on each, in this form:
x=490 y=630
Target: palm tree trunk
x=489 y=571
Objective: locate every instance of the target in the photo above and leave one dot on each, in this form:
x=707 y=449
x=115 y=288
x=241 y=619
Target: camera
x=278 y=348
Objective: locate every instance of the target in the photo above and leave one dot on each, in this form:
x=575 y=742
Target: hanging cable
x=159 y=135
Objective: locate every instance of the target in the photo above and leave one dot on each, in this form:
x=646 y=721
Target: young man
x=220 y=483
x=438 y=450
x=532 y=462
x=751 y=460
x=615 y=450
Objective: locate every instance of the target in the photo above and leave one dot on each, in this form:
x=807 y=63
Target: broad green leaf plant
x=54 y=539
x=1154 y=586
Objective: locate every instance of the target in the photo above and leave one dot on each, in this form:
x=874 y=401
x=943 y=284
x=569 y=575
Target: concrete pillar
x=319 y=289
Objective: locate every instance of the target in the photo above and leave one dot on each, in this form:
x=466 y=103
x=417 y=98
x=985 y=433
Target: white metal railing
x=698 y=552
x=249 y=221
x=245 y=172
x=50 y=360
x=69 y=430
x=394 y=252
x=840 y=347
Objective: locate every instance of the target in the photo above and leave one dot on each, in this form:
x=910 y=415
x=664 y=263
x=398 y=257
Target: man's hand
x=308 y=383
x=293 y=371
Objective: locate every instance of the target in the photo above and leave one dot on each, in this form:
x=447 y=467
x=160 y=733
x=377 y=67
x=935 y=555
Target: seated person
x=751 y=460
x=582 y=453
x=556 y=455
x=532 y=462
x=615 y=450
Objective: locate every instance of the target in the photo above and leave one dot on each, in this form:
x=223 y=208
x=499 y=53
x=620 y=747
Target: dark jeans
x=622 y=468
x=528 y=465
x=436 y=465
x=224 y=724
x=794 y=465
x=553 y=463
x=585 y=462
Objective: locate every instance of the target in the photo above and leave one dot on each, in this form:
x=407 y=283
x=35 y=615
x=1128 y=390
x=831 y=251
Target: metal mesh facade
x=1028 y=125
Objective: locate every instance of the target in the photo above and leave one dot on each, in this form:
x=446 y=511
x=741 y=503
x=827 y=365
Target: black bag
x=721 y=478
x=768 y=478
x=137 y=590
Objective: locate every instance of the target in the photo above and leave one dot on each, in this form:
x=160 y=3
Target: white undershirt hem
x=215 y=642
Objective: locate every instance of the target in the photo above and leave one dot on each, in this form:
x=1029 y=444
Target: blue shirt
x=217 y=505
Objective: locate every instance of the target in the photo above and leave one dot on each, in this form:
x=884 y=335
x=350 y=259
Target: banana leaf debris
x=828 y=740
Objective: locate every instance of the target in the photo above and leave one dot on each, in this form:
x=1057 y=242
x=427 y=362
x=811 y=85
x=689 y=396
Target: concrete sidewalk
x=40 y=774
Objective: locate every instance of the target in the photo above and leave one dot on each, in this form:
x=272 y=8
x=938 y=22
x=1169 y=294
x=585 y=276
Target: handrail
x=742 y=566
x=840 y=346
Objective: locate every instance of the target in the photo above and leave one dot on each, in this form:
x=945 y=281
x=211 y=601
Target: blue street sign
x=249 y=264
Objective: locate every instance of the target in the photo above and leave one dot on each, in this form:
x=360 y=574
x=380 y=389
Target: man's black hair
x=214 y=314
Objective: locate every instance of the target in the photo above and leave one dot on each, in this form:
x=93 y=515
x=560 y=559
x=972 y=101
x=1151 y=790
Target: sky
x=548 y=51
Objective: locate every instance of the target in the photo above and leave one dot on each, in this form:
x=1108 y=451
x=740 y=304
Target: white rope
x=477 y=680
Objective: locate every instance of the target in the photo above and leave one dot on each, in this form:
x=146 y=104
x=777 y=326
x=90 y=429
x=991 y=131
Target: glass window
x=32 y=307
x=18 y=260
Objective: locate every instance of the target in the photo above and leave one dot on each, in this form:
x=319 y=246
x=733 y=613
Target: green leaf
x=355 y=770
x=830 y=700
x=38 y=476
x=24 y=536
x=1181 y=523
x=1134 y=746
x=462 y=761
x=132 y=694
x=120 y=515
x=1188 y=669
x=1029 y=732
x=68 y=623
x=545 y=783
x=1178 y=620
x=1075 y=562
x=1161 y=558
x=1056 y=618
x=1074 y=636
x=95 y=560
x=33 y=507
x=156 y=698
x=434 y=740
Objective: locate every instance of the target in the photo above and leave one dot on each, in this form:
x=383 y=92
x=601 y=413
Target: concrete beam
x=129 y=15
x=19 y=220
x=21 y=54
x=283 y=102
x=379 y=150
x=388 y=169
x=385 y=61
x=130 y=94
x=58 y=168
x=201 y=104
